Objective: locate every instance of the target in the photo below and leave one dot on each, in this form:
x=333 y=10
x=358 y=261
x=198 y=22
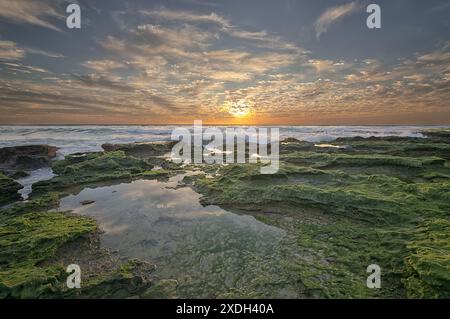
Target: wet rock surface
x=15 y=160
x=8 y=190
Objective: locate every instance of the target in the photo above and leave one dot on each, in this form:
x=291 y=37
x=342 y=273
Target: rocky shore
x=344 y=205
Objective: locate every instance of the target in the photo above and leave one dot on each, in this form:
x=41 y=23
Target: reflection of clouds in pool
x=167 y=225
x=113 y=229
x=142 y=203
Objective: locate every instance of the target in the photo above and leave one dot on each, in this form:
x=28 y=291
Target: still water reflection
x=207 y=249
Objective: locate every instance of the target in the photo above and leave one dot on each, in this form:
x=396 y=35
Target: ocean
x=73 y=139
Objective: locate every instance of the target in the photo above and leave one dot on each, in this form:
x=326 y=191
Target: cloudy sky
x=235 y=61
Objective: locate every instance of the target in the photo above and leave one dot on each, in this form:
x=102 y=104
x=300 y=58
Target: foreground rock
x=28 y=157
x=376 y=201
x=36 y=245
x=381 y=200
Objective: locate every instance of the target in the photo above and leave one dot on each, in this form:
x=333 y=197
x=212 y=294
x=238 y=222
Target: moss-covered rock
x=377 y=200
x=29 y=238
x=79 y=169
x=141 y=150
x=443 y=134
x=428 y=263
x=37 y=245
x=351 y=207
x=8 y=190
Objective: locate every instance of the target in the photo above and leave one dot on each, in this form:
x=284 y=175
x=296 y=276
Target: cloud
x=321 y=65
x=185 y=36
x=19 y=67
x=181 y=65
x=115 y=84
x=208 y=3
x=223 y=26
x=34 y=12
x=9 y=51
x=104 y=82
x=103 y=65
x=334 y=14
x=435 y=57
x=187 y=16
x=44 y=53
x=173 y=49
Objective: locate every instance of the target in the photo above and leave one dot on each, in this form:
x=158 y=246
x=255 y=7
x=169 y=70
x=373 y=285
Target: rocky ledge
x=28 y=157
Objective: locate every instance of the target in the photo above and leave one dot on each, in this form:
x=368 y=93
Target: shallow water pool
x=211 y=252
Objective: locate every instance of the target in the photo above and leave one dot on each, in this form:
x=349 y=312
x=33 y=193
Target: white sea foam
x=73 y=139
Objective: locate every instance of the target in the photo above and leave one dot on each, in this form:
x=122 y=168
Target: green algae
x=376 y=200
x=29 y=234
x=161 y=173
x=81 y=170
x=8 y=189
x=409 y=148
x=132 y=279
x=443 y=134
x=141 y=150
x=324 y=159
x=428 y=261
x=88 y=168
x=375 y=193
x=29 y=238
x=372 y=198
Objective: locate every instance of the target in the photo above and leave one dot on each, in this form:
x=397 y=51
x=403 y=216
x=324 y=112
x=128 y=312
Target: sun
x=239 y=109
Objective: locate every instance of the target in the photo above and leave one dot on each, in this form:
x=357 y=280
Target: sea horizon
x=88 y=138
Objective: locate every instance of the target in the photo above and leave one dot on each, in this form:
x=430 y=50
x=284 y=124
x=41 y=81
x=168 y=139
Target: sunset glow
x=280 y=62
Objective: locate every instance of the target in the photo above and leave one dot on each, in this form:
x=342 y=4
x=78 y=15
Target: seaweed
x=8 y=190
x=375 y=200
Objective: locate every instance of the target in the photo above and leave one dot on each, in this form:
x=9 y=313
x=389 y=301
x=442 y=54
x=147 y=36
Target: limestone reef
x=344 y=206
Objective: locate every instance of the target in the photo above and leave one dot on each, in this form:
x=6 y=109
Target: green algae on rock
x=79 y=169
x=375 y=202
x=141 y=150
x=31 y=237
x=382 y=200
x=8 y=190
x=428 y=262
x=84 y=169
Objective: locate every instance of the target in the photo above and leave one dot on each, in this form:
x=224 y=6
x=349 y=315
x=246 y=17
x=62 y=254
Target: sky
x=277 y=62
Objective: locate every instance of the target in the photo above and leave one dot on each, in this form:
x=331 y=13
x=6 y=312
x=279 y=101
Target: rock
x=26 y=157
x=19 y=174
x=290 y=140
x=141 y=150
x=443 y=134
x=8 y=190
x=80 y=170
x=87 y=202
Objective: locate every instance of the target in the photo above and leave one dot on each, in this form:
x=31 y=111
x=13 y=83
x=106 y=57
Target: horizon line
x=205 y=124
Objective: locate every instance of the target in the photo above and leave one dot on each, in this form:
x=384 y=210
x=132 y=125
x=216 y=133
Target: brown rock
x=26 y=157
